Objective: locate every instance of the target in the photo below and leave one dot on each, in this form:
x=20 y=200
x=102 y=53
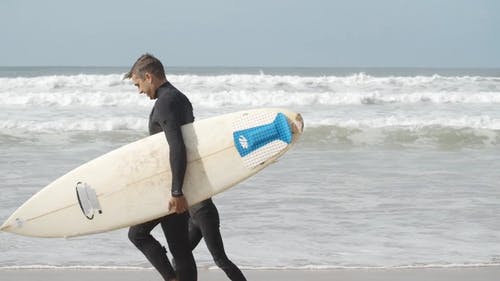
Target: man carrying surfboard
x=171 y=110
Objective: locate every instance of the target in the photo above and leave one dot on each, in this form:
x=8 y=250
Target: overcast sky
x=327 y=33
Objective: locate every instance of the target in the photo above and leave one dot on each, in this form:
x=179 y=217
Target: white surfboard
x=131 y=184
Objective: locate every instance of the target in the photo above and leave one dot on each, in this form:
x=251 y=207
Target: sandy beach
x=414 y=274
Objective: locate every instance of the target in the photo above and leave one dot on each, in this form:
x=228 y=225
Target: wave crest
x=253 y=90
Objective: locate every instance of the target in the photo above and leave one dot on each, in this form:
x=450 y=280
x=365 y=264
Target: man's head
x=148 y=74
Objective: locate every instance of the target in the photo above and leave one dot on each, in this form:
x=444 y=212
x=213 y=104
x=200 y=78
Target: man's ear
x=148 y=77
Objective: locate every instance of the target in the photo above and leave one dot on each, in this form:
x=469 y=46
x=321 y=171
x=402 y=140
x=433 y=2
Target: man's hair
x=146 y=63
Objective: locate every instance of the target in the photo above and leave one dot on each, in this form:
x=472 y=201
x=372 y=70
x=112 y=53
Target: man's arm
x=177 y=156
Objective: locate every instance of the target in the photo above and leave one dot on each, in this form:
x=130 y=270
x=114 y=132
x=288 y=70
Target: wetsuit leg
x=194 y=234
x=140 y=236
x=208 y=222
x=175 y=227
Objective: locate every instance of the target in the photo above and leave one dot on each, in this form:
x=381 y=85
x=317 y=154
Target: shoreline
x=483 y=273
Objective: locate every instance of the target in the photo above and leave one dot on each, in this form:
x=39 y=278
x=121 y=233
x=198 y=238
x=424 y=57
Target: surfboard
x=131 y=184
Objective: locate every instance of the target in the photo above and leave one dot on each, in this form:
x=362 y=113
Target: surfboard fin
x=87 y=199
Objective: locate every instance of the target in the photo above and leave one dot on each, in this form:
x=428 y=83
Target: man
x=171 y=110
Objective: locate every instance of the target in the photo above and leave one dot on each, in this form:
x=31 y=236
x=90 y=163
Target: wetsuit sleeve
x=170 y=123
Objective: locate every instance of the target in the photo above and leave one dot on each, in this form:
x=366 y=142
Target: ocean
x=397 y=167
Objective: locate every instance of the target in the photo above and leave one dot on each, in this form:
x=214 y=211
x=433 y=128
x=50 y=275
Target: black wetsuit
x=172 y=109
x=204 y=223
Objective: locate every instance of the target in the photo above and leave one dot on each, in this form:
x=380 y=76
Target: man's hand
x=178 y=204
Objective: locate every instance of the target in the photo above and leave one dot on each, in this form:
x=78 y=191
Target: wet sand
x=413 y=274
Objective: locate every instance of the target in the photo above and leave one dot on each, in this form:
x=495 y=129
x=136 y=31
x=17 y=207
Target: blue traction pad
x=251 y=139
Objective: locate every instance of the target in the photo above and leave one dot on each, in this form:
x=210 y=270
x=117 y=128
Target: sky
x=266 y=33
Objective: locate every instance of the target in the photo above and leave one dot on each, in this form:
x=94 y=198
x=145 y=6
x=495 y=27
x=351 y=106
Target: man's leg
x=175 y=227
x=194 y=234
x=208 y=222
x=141 y=237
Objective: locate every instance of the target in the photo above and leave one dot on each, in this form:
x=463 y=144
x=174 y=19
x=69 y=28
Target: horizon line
x=253 y=66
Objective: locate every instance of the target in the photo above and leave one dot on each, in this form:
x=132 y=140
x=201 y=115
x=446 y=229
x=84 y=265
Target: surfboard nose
x=6 y=226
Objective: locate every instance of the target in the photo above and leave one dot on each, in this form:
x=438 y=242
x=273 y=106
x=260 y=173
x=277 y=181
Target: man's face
x=145 y=85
